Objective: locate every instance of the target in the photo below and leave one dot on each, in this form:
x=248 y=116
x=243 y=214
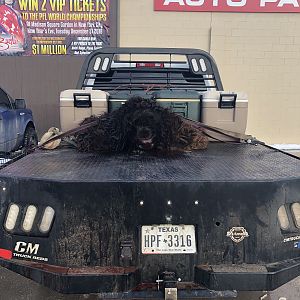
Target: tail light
x=296 y=213
x=150 y=65
x=11 y=217
x=29 y=218
x=283 y=218
x=47 y=220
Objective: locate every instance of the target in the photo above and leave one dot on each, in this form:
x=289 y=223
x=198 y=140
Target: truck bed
x=104 y=205
x=220 y=162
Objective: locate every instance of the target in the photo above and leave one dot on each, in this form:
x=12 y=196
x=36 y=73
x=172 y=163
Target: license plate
x=168 y=239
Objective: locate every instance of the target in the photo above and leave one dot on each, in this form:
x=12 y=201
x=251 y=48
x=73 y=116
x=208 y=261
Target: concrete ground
x=16 y=287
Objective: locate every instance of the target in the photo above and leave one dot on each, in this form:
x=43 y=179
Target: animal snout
x=144 y=133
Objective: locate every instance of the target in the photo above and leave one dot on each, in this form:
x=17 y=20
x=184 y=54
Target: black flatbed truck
x=233 y=195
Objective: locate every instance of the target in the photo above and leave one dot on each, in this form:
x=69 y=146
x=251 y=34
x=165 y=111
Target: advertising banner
x=53 y=27
x=254 y=6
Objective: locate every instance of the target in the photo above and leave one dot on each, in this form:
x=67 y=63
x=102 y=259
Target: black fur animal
x=140 y=125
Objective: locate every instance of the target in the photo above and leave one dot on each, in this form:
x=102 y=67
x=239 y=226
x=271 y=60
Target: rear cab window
x=5 y=101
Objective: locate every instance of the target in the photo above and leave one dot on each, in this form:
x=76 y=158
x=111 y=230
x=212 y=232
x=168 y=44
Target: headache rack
x=133 y=69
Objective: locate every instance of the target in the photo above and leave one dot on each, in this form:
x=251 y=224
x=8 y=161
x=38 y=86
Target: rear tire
x=30 y=138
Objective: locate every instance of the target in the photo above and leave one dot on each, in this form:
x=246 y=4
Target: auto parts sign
x=228 y=5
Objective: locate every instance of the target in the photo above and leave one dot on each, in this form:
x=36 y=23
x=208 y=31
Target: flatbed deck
x=220 y=162
x=220 y=190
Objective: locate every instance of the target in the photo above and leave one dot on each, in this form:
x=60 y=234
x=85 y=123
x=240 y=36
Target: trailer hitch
x=167 y=282
x=170 y=293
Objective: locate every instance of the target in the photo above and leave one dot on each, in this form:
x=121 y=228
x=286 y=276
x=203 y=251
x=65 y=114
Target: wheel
x=30 y=138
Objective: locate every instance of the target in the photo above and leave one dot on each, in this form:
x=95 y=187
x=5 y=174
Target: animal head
x=145 y=124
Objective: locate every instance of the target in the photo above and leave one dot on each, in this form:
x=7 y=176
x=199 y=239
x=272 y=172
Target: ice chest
x=76 y=105
x=225 y=110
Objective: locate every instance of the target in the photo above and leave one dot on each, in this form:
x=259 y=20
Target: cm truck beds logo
x=228 y=5
x=28 y=251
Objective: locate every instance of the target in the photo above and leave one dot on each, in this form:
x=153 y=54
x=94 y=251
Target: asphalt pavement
x=17 y=287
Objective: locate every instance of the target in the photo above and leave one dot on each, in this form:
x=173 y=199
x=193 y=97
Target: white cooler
x=225 y=110
x=76 y=105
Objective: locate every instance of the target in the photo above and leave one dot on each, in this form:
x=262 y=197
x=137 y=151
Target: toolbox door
x=185 y=103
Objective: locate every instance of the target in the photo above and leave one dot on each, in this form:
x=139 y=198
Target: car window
x=12 y=102
x=4 y=100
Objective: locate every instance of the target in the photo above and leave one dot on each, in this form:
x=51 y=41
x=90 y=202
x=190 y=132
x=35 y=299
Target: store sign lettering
x=229 y=5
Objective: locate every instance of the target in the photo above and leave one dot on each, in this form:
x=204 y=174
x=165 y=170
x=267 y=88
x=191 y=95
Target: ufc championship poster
x=53 y=27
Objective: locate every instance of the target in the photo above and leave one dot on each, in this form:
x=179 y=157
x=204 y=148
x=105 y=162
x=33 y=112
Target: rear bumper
x=248 y=277
x=109 y=283
x=76 y=280
x=117 y=282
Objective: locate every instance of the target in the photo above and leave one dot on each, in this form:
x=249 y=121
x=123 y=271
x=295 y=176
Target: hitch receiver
x=169 y=285
x=170 y=293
